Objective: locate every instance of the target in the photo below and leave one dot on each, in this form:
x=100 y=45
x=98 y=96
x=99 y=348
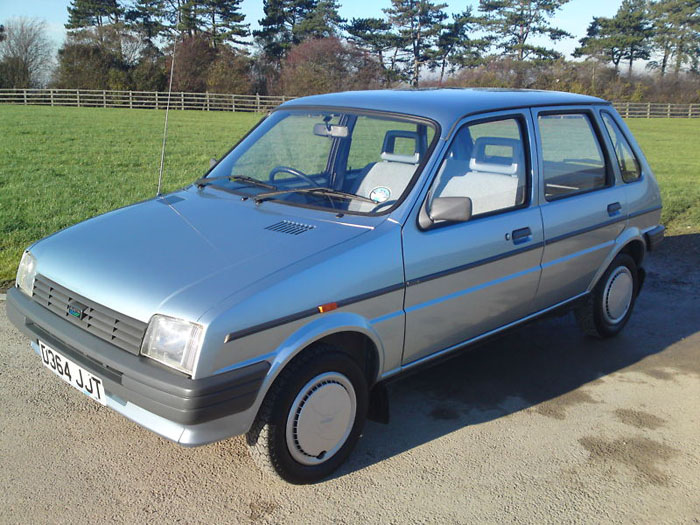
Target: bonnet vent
x=292 y=228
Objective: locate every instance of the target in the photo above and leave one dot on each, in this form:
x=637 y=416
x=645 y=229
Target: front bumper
x=187 y=411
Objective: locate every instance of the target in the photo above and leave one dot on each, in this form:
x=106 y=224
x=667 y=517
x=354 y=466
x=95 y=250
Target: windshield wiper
x=260 y=197
x=200 y=183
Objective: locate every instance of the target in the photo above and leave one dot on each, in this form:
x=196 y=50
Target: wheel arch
x=630 y=241
x=352 y=333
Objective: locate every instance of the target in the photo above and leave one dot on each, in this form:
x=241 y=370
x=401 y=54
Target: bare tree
x=25 y=53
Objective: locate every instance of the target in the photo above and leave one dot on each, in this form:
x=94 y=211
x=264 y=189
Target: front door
x=467 y=278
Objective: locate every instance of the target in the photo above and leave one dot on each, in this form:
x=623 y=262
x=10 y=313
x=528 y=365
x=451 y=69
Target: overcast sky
x=574 y=17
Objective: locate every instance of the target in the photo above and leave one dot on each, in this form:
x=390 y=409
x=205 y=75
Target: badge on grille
x=77 y=310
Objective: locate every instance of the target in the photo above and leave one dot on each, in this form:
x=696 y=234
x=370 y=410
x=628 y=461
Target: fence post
x=690 y=111
x=207 y=97
x=233 y=103
x=52 y=98
x=182 y=100
x=104 y=98
x=668 y=111
x=77 y=96
x=24 y=91
x=648 y=109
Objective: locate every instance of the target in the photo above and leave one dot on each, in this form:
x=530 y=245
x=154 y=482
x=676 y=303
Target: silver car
x=346 y=239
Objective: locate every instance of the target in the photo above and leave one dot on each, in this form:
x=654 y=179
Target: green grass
x=59 y=166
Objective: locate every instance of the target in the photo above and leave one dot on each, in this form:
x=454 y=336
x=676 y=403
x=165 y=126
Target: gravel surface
x=540 y=426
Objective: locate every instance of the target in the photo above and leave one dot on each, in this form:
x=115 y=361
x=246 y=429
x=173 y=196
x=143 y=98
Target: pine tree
x=603 y=41
x=2 y=32
x=91 y=13
x=454 y=48
x=289 y=22
x=374 y=35
x=635 y=29
x=148 y=18
x=676 y=25
x=512 y=23
x=224 y=21
x=418 y=24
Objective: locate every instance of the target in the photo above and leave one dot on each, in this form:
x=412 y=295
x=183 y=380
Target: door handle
x=614 y=208
x=521 y=235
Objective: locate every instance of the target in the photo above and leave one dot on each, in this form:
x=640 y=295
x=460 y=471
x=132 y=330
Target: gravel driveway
x=540 y=426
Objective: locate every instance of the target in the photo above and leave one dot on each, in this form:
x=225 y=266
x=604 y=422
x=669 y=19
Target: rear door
x=467 y=278
x=583 y=210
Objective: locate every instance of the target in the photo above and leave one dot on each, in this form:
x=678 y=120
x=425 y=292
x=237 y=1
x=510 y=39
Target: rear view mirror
x=453 y=209
x=324 y=130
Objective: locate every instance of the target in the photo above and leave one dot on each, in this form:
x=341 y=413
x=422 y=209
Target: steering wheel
x=291 y=171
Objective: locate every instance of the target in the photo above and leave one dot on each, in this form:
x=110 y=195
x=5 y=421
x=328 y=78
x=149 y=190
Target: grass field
x=59 y=166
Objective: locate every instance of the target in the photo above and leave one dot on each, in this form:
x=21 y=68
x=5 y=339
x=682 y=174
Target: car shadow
x=540 y=364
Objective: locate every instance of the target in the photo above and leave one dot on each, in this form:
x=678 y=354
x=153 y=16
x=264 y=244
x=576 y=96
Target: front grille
x=113 y=327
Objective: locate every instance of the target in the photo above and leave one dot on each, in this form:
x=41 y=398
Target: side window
x=626 y=159
x=486 y=162
x=572 y=158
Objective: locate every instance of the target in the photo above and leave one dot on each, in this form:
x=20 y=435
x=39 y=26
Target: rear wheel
x=312 y=416
x=610 y=304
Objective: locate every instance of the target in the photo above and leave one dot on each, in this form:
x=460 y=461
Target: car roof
x=446 y=106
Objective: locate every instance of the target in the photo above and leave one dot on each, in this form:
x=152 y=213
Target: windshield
x=344 y=162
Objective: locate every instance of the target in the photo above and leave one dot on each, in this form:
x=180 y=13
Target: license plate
x=73 y=374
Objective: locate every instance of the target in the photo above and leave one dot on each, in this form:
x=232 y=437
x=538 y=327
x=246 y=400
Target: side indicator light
x=327 y=307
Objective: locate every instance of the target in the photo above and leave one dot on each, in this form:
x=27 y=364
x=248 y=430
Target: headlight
x=173 y=342
x=26 y=273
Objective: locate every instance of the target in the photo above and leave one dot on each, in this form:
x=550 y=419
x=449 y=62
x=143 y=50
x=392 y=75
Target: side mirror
x=212 y=162
x=453 y=209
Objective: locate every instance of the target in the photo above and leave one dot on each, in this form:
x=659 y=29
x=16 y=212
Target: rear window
x=573 y=160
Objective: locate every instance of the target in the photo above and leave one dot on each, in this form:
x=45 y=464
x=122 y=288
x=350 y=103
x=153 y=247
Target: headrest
x=504 y=163
x=393 y=134
x=395 y=157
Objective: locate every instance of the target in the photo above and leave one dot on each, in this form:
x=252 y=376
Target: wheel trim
x=617 y=295
x=321 y=418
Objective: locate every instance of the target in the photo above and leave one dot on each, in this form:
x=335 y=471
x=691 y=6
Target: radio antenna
x=167 y=111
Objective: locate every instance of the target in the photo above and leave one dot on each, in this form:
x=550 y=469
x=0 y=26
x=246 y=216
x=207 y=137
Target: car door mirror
x=212 y=162
x=452 y=209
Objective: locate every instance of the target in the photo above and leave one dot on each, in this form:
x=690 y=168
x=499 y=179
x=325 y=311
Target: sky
x=574 y=17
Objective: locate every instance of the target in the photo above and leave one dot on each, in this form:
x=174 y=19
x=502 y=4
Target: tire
x=609 y=306
x=283 y=440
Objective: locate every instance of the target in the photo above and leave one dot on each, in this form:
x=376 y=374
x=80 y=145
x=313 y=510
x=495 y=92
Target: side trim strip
x=585 y=230
x=308 y=313
x=478 y=338
x=642 y=212
x=442 y=273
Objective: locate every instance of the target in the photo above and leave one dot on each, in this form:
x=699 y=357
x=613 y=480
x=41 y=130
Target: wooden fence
x=91 y=98
x=249 y=103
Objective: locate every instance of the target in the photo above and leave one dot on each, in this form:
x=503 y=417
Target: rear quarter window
x=626 y=159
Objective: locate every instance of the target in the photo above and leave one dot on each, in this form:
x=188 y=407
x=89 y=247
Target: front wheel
x=312 y=416
x=609 y=306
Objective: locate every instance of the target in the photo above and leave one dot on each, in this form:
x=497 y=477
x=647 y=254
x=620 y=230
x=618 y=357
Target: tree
x=289 y=22
x=454 y=48
x=676 y=26
x=512 y=23
x=148 y=18
x=225 y=21
x=88 y=13
x=418 y=24
x=374 y=36
x=635 y=30
x=325 y=65
x=603 y=41
x=25 y=53
x=2 y=32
